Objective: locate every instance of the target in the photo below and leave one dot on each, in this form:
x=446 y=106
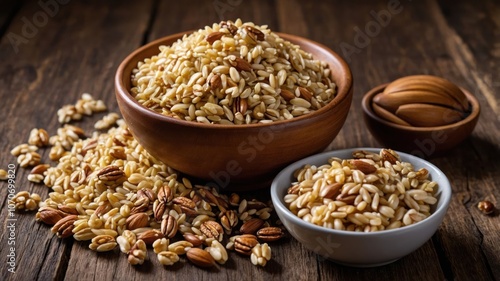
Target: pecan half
x=240 y=105
x=215 y=82
x=165 y=194
x=64 y=227
x=146 y=193
x=49 y=215
x=389 y=155
x=169 y=226
x=240 y=64
x=91 y=145
x=229 y=220
x=243 y=244
x=186 y=205
x=270 y=233
x=140 y=206
x=159 y=209
x=137 y=220
x=118 y=153
x=110 y=173
x=255 y=33
x=229 y=26
x=212 y=229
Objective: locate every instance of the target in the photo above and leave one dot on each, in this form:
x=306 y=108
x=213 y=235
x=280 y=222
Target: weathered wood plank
x=473 y=43
x=381 y=53
x=77 y=49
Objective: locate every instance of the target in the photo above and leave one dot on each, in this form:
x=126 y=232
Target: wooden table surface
x=52 y=51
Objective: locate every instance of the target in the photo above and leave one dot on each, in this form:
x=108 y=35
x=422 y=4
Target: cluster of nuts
x=64 y=140
x=107 y=121
x=25 y=201
x=202 y=235
x=107 y=190
x=27 y=155
x=87 y=105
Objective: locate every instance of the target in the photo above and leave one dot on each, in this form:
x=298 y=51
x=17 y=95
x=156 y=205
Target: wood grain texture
x=78 y=49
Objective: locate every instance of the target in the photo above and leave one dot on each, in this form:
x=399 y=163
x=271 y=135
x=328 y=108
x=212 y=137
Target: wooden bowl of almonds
x=420 y=114
x=233 y=103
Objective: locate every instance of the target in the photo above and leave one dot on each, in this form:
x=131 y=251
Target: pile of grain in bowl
x=371 y=192
x=108 y=190
x=232 y=73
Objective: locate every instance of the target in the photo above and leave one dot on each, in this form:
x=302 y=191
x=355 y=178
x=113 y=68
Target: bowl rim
x=367 y=108
x=445 y=195
x=125 y=94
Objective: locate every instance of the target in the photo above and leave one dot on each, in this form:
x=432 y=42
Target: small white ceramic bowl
x=360 y=249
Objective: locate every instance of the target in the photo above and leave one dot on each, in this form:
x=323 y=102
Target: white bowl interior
x=355 y=248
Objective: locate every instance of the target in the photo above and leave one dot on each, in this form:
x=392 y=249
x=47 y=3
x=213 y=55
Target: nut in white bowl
x=360 y=249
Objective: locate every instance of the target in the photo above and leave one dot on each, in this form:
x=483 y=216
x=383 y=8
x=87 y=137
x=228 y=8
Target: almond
x=429 y=83
x=200 y=258
x=241 y=64
x=434 y=115
x=393 y=101
x=40 y=169
x=287 y=95
x=330 y=191
x=348 y=199
x=305 y=94
x=214 y=36
x=363 y=166
x=251 y=226
x=150 y=236
x=193 y=239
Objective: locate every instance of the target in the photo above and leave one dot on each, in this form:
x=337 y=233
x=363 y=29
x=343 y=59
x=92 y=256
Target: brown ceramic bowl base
x=240 y=156
x=423 y=142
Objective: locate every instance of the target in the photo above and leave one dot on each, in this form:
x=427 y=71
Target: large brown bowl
x=424 y=142
x=234 y=157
